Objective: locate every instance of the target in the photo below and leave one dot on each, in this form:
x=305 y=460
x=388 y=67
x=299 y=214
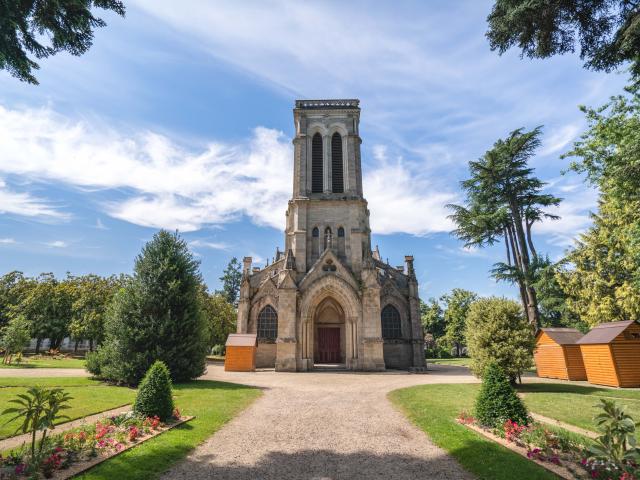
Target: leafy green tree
x=157 y=315
x=601 y=275
x=433 y=323
x=13 y=286
x=220 y=316
x=46 y=304
x=231 y=279
x=497 y=331
x=93 y=295
x=608 y=31
x=552 y=299
x=503 y=202
x=457 y=305
x=44 y=28
x=15 y=337
x=497 y=401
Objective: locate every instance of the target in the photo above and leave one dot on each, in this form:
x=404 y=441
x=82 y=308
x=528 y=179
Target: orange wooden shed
x=557 y=355
x=611 y=353
x=241 y=352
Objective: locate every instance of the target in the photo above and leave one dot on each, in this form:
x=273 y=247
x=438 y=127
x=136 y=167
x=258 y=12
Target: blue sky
x=180 y=117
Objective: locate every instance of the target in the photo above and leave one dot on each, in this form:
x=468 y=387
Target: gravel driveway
x=323 y=425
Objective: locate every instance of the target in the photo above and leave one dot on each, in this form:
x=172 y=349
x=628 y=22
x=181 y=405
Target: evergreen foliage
x=154 y=394
x=503 y=201
x=231 y=279
x=497 y=332
x=15 y=337
x=608 y=31
x=497 y=401
x=157 y=315
x=67 y=24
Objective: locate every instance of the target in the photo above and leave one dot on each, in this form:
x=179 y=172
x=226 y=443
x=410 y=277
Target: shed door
x=328 y=345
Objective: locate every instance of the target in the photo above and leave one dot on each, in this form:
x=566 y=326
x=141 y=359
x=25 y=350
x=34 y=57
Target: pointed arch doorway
x=329 y=333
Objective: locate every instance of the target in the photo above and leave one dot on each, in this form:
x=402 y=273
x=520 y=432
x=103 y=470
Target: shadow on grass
x=563 y=388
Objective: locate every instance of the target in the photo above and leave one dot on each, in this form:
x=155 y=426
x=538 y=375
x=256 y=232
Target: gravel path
x=323 y=425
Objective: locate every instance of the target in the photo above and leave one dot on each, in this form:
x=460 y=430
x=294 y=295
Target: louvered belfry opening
x=337 y=182
x=316 y=164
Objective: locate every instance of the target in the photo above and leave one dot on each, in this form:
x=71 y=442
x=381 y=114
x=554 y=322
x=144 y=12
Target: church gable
x=328 y=264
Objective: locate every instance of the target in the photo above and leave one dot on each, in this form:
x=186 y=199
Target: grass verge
x=434 y=409
x=89 y=397
x=575 y=404
x=47 y=362
x=213 y=404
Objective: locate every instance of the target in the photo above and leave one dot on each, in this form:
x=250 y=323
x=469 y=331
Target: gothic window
x=317 y=170
x=268 y=323
x=341 y=242
x=337 y=183
x=390 y=322
x=328 y=238
x=315 y=243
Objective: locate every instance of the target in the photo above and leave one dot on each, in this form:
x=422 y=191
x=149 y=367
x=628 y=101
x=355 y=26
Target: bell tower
x=327 y=208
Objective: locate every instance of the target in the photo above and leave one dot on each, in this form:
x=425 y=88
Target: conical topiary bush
x=154 y=394
x=497 y=401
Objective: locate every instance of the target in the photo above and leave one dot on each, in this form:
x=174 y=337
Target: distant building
x=328 y=298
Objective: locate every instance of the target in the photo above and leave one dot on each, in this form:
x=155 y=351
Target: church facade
x=328 y=298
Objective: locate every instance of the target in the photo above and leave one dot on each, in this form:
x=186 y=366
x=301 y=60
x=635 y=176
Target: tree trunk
x=517 y=261
x=529 y=239
x=532 y=306
x=38 y=342
x=75 y=347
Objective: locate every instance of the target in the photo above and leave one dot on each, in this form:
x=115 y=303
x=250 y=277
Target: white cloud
x=99 y=225
x=559 y=139
x=402 y=200
x=207 y=244
x=166 y=185
x=24 y=204
x=7 y=241
x=172 y=187
x=57 y=244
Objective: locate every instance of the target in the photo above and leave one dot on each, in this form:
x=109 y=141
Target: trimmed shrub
x=496 y=331
x=154 y=395
x=497 y=401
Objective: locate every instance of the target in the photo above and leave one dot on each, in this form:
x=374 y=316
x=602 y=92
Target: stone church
x=328 y=298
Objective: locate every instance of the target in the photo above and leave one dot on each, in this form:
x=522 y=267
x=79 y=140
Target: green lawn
x=574 y=404
x=213 y=404
x=46 y=362
x=459 y=362
x=89 y=396
x=434 y=409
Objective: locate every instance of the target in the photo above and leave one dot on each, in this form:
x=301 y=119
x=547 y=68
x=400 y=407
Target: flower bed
x=564 y=453
x=67 y=454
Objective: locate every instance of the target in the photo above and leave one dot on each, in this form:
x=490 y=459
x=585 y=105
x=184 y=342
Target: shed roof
x=241 y=340
x=605 y=332
x=563 y=336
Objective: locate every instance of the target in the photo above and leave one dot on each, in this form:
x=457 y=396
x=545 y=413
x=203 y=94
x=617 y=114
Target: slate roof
x=563 y=336
x=605 y=332
x=241 y=340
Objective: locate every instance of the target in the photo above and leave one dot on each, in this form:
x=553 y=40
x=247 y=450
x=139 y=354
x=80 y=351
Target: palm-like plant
x=39 y=409
x=617 y=443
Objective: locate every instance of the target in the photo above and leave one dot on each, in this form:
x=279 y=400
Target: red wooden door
x=328 y=345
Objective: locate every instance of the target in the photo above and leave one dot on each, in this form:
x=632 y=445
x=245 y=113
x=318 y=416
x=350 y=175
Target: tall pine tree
x=156 y=316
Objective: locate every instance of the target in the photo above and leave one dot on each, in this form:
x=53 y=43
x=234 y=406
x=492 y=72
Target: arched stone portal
x=329 y=333
x=329 y=302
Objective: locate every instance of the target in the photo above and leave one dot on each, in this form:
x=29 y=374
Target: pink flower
x=20 y=468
